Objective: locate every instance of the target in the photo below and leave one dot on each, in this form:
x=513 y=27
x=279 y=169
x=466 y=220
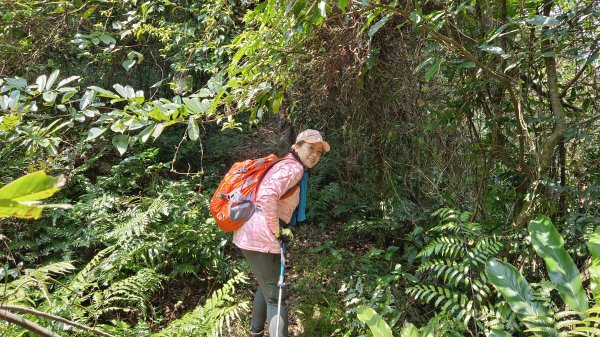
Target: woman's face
x=309 y=153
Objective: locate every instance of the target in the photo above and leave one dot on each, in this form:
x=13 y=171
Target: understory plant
x=540 y=312
x=143 y=243
x=454 y=279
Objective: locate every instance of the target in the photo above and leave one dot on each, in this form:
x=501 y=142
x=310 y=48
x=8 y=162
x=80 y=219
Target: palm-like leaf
x=378 y=326
x=594 y=247
x=515 y=288
x=561 y=269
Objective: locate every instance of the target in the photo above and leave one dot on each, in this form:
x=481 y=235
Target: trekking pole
x=280 y=284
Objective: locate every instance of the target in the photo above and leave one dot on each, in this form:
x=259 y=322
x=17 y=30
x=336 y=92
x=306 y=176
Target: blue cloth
x=300 y=211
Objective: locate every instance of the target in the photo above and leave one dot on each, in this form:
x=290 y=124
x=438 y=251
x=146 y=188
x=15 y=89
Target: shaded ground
x=314 y=276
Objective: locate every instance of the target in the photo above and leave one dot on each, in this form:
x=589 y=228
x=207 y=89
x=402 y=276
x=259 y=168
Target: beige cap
x=312 y=136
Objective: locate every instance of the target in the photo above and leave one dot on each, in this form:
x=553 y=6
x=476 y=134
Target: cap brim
x=326 y=146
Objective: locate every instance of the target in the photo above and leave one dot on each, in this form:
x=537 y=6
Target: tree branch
x=54 y=318
x=28 y=325
x=560 y=128
x=574 y=79
x=450 y=42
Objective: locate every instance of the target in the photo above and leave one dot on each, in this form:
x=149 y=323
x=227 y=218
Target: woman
x=278 y=201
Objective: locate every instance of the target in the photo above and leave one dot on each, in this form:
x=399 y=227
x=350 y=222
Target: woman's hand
x=285 y=235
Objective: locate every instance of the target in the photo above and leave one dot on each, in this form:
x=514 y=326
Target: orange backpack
x=234 y=200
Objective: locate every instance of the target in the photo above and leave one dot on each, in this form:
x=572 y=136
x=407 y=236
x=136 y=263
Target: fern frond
x=543 y=330
x=452 y=272
x=83 y=278
x=19 y=290
x=571 y=323
x=457 y=222
x=538 y=320
x=483 y=251
x=133 y=291
x=446 y=299
x=449 y=247
x=44 y=272
x=567 y=313
x=591 y=320
x=208 y=320
x=593 y=310
x=588 y=331
x=137 y=220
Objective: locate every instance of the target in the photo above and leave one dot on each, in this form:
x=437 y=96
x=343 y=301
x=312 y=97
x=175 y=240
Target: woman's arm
x=280 y=178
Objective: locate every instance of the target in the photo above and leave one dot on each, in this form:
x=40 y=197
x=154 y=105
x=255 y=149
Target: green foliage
x=516 y=290
x=220 y=309
x=456 y=259
x=21 y=197
x=24 y=286
x=561 y=269
x=452 y=103
x=539 y=317
x=594 y=247
x=378 y=326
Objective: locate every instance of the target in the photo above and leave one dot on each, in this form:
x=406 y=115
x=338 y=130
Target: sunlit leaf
x=378 y=326
x=21 y=197
x=158 y=129
x=194 y=105
x=277 y=100
x=193 y=130
x=561 y=269
x=88 y=12
x=32 y=187
x=378 y=25
x=121 y=142
x=51 y=79
x=87 y=99
x=41 y=82
x=66 y=81
x=103 y=92
x=409 y=330
x=16 y=82
x=514 y=287
x=128 y=64
x=49 y=96
x=594 y=269
x=323 y=8
x=145 y=134
x=121 y=90
x=94 y=133
x=492 y=49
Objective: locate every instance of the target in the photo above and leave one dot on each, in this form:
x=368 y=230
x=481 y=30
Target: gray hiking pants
x=266 y=267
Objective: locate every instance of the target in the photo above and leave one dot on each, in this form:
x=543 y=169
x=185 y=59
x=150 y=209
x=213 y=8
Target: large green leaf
x=594 y=247
x=514 y=287
x=410 y=330
x=561 y=269
x=378 y=326
x=21 y=197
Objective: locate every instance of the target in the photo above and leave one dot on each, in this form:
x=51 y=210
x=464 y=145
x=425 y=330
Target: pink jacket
x=258 y=233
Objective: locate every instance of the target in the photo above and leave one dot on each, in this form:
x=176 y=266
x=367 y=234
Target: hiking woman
x=279 y=204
